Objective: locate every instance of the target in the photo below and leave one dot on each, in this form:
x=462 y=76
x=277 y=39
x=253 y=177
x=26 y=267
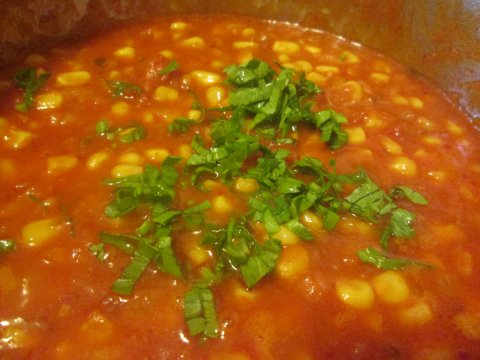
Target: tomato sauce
x=321 y=301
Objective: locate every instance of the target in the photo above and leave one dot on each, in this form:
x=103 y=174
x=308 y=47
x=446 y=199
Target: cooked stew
x=230 y=188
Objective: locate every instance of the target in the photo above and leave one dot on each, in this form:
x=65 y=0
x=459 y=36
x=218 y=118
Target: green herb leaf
x=400 y=225
x=98 y=251
x=28 y=80
x=199 y=310
x=124 y=89
x=102 y=127
x=7 y=245
x=171 y=66
x=409 y=193
x=376 y=258
x=261 y=263
x=180 y=125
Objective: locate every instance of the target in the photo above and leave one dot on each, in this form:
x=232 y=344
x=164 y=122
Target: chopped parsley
x=376 y=258
x=7 y=245
x=171 y=66
x=199 y=310
x=30 y=82
x=124 y=89
x=180 y=125
x=122 y=135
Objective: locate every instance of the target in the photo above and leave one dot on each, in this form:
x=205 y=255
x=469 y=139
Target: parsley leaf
x=180 y=125
x=171 y=66
x=124 y=89
x=410 y=194
x=261 y=263
x=199 y=310
x=372 y=256
x=400 y=225
x=28 y=80
x=7 y=245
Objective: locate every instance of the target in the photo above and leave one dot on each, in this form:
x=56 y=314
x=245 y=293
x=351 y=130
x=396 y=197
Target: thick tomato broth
x=56 y=298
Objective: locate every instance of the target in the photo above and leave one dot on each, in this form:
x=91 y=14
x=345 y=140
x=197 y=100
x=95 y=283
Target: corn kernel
x=356 y=135
x=248 y=32
x=415 y=102
x=221 y=205
x=60 y=164
x=122 y=170
x=35 y=60
x=14 y=336
x=114 y=75
x=293 y=261
x=432 y=140
x=244 y=44
x=426 y=123
x=316 y=78
x=379 y=78
x=404 y=166
x=198 y=255
x=7 y=168
x=126 y=53
x=120 y=108
x=283 y=58
x=184 y=151
x=209 y=185
x=399 y=100
x=74 y=78
x=51 y=100
x=156 y=155
x=167 y=53
x=391 y=287
x=418 y=314
x=217 y=64
x=18 y=139
x=302 y=66
x=39 y=232
x=355 y=293
x=194 y=42
x=437 y=175
x=311 y=221
x=327 y=69
x=131 y=158
x=178 y=25
x=313 y=49
x=382 y=66
x=165 y=93
x=454 y=128
x=95 y=160
x=374 y=122
x=97 y=327
x=286 y=47
x=205 y=77
x=215 y=95
x=355 y=89
x=469 y=324
x=391 y=146
x=194 y=115
x=286 y=236
x=148 y=117
x=245 y=185
x=349 y=57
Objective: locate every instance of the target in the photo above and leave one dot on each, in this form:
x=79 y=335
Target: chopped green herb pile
x=30 y=82
x=122 y=135
x=265 y=109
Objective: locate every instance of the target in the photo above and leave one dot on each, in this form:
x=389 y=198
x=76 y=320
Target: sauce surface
x=321 y=301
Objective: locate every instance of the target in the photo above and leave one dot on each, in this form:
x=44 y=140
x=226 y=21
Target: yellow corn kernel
x=415 y=102
x=209 y=185
x=316 y=78
x=286 y=47
x=95 y=160
x=122 y=170
x=194 y=115
x=391 y=146
x=198 y=255
x=178 y=25
x=114 y=75
x=3 y=123
x=17 y=139
x=39 y=232
x=302 y=66
x=13 y=335
x=205 y=77
x=421 y=153
x=351 y=225
x=184 y=151
x=193 y=42
x=437 y=175
x=286 y=236
x=240 y=292
x=399 y=100
x=51 y=100
x=418 y=314
x=356 y=135
x=148 y=117
x=356 y=90
x=248 y=32
x=97 y=327
x=464 y=263
x=374 y=122
x=131 y=158
x=391 y=287
x=283 y=58
x=382 y=66
x=7 y=168
x=404 y=166
x=221 y=205
x=327 y=69
x=60 y=164
x=426 y=123
x=380 y=78
x=313 y=49
x=217 y=64
x=165 y=93
x=156 y=155
x=355 y=293
x=120 y=108
x=311 y=221
x=215 y=95
x=35 y=60
x=244 y=44
x=349 y=57
x=74 y=78
x=8 y=281
x=454 y=128
x=126 y=53
x=432 y=140
x=469 y=324
x=167 y=53
x=245 y=185
x=293 y=261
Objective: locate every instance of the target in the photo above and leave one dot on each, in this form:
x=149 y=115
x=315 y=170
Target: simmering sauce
x=224 y=261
